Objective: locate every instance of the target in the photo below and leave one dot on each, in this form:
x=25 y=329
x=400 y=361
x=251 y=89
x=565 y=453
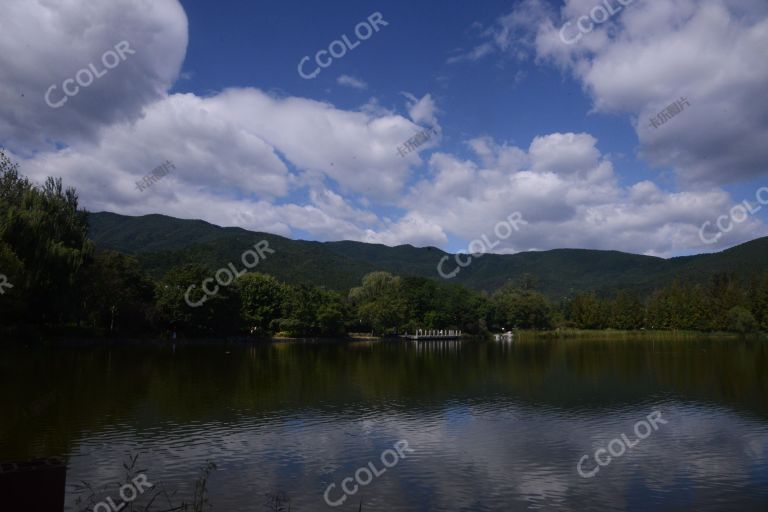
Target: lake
x=528 y=425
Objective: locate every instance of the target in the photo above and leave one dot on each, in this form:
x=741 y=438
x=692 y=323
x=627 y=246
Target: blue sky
x=527 y=122
x=410 y=54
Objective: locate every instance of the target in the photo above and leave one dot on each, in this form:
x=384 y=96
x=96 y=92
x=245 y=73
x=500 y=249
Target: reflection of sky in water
x=494 y=427
x=465 y=458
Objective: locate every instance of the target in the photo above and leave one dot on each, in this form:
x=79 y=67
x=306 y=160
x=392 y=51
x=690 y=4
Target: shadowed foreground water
x=493 y=426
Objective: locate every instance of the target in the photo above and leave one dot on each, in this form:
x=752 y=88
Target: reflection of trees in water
x=437 y=346
x=205 y=382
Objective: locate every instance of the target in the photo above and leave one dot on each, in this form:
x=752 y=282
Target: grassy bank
x=619 y=334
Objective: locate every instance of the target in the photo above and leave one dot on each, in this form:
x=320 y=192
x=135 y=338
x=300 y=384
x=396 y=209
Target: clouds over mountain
x=569 y=194
x=288 y=164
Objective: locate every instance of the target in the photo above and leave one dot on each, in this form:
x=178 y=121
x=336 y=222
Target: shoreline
x=642 y=333
x=71 y=340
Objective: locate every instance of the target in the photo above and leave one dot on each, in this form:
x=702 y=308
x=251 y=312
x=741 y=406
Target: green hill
x=161 y=242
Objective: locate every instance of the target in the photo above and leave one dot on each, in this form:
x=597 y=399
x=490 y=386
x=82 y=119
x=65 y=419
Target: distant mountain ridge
x=161 y=242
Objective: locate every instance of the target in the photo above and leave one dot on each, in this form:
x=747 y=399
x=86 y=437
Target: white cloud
x=69 y=35
x=477 y=53
x=242 y=156
x=412 y=229
x=422 y=110
x=651 y=54
x=351 y=81
x=238 y=142
x=569 y=195
x=511 y=33
x=280 y=163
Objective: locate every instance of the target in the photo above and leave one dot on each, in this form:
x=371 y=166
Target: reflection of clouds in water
x=707 y=446
x=757 y=447
x=464 y=458
x=543 y=487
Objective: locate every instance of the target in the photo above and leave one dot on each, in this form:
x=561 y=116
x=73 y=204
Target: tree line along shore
x=59 y=283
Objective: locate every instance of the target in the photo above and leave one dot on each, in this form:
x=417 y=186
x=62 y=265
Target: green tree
x=519 y=308
x=626 y=312
x=117 y=296
x=262 y=298
x=758 y=299
x=182 y=304
x=587 y=311
x=740 y=320
x=12 y=297
x=331 y=316
x=312 y=311
x=43 y=235
x=379 y=303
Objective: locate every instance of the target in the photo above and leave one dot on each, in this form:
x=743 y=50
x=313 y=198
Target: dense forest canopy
x=160 y=242
x=59 y=282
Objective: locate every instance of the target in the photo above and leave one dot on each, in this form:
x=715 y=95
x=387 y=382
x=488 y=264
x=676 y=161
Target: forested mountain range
x=160 y=242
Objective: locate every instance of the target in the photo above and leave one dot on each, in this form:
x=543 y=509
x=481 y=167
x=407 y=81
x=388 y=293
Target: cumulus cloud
x=568 y=193
x=236 y=147
x=70 y=35
x=242 y=156
x=412 y=228
x=653 y=53
x=283 y=164
x=422 y=110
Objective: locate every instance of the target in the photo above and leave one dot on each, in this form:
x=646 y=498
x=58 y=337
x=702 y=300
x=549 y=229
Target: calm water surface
x=493 y=426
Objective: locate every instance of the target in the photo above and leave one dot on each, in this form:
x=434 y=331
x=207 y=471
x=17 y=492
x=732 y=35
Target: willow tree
x=379 y=302
x=44 y=244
